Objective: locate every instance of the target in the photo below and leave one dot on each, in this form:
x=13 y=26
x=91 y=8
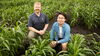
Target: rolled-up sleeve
x=52 y=32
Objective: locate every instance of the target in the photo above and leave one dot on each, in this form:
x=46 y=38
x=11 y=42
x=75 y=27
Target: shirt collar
x=62 y=25
x=36 y=15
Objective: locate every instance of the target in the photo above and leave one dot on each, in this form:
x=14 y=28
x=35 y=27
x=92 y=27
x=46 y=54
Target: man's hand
x=53 y=43
x=41 y=32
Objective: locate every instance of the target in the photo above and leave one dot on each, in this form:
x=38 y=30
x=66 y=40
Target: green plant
x=75 y=47
x=11 y=40
x=80 y=10
x=14 y=17
x=93 y=42
x=40 y=47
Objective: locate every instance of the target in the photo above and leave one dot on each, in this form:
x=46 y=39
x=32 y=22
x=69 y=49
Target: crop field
x=14 y=15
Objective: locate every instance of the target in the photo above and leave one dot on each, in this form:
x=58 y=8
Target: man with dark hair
x=60 y=32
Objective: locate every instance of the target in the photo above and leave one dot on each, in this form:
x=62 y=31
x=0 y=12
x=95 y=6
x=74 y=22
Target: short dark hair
x=60 y=13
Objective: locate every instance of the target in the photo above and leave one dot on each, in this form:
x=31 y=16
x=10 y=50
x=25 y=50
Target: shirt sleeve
x=46 y=20
x=52 y=32
x=30 y=24
x=66 y=36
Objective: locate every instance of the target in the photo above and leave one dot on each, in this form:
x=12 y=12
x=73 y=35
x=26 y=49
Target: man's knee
x=31 y=34
x=64 y=46
x=52 y=46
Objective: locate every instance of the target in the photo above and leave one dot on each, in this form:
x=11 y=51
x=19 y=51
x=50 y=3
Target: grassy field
x=14 y=17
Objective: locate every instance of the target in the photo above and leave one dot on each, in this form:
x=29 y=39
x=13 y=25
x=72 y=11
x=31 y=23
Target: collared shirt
x=38 y=22
x=54 y=33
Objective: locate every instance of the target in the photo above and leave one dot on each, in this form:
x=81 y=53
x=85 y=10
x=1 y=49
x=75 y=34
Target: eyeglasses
x=60 y=18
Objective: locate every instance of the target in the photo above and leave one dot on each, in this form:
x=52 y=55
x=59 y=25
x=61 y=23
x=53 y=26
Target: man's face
x=37 y=7
x=61 y=19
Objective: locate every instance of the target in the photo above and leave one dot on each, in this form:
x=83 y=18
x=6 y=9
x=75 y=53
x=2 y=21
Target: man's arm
x=33 y=29
x=30 y=24
x=46 y=23
x=45 y=27
x=52 y=33
x=66 y=37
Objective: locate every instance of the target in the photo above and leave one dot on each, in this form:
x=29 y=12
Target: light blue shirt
x=54 y=33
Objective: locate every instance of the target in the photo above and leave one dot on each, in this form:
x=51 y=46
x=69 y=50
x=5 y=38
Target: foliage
x=86 y=11
x=75 y=47
x=93 y=42
x=40 y=47
x=11 y=40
